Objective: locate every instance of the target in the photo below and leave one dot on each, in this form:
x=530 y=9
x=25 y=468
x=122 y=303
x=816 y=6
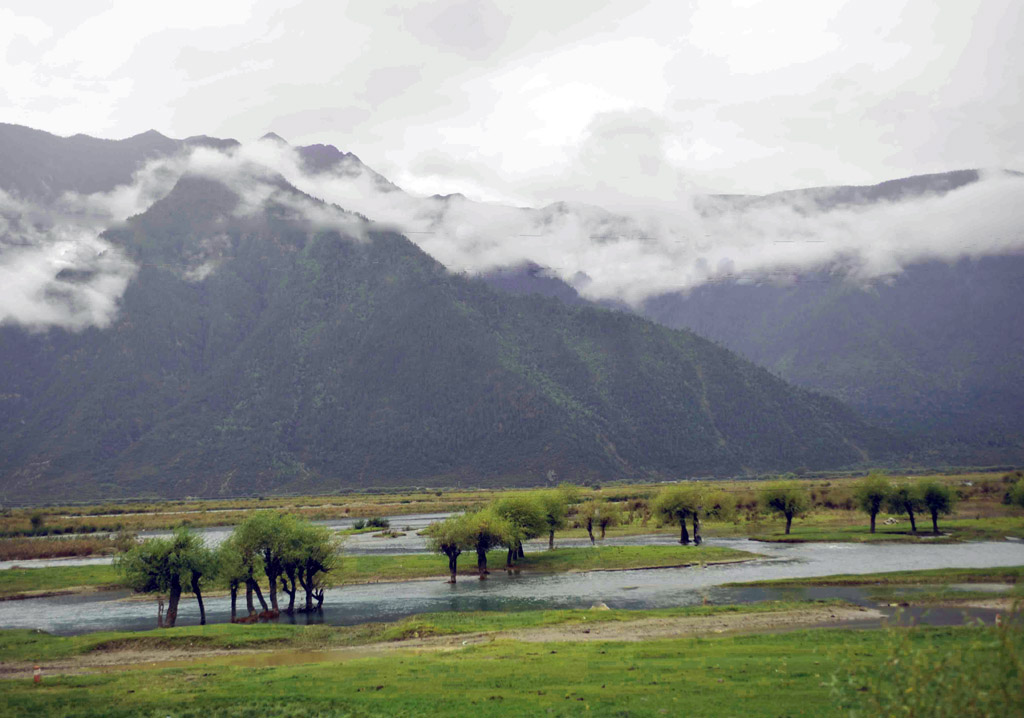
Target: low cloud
x=58 y=271
x=55 y=269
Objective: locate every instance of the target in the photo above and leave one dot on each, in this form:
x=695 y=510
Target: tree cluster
x=507 y=522
x=878 y=492
x=290 y=553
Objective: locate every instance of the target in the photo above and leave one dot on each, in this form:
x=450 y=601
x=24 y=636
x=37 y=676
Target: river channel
x=633 y=589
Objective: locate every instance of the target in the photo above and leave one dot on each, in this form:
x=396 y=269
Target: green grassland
x=374 y=568
x=818 y=673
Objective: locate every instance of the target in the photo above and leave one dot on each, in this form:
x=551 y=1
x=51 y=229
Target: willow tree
x=707 y=503
x=872 y=493
x=675 y=504
x=555 y=507
x=905 y=499
x=526 y=519
x=486 y=530
x=786 y=498
x=936 y=498
x=450 y=537
x=169 y=565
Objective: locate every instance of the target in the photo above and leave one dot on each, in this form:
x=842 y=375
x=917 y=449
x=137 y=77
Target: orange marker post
x=37 y=674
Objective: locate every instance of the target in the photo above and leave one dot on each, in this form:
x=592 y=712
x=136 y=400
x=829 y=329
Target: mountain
x=936 y=351
x=297 y=347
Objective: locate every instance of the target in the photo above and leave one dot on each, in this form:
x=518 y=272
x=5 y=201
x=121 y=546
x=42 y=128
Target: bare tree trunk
x=873 y=522
x=789 y=522
x=199 y=599
x=453 y=566
x=697 y=540
x=519 y=551
x=603 y=526
x=590 y=531
x=551 y=539
x=290 y=591
x=248 y=598
x=259 y=594
x=234 y=601
x=935 y=522
x=172 y=602
x=159 y=611
x=913 y=523
x=481 y=563
x=684 y=536
x=272 y=579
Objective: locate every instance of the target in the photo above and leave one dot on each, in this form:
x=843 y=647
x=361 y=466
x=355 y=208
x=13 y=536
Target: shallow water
x=636 y=589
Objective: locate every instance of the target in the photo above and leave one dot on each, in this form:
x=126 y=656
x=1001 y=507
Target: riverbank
x=363 y=569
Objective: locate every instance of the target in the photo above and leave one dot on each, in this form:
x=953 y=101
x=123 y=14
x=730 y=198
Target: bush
x=921 y=676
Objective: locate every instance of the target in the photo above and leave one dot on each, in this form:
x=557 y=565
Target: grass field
x=806 y=673
x=374 y=568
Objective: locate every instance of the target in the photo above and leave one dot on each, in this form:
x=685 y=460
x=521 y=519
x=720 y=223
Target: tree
x=554 y=505
x=169 y=565
x=314 y=552
x=450 y=537
x=232 y=570
x=937 y=498
x=708 y=504
x=487 y=530
x=787 y=498
x=872 y=493
x=675 y=504
x=611 y=515
x=587 y=515
x=265 y=535
x=526 y=519
x=904 y=499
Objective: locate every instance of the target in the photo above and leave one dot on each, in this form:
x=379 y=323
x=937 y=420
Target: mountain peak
x=273 y=137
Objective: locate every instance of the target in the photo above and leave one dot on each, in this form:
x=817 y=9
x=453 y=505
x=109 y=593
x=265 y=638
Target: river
x=635 y=589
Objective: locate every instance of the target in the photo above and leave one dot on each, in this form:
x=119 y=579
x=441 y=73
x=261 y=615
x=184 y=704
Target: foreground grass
x=371 y=568
x=28 y=645
x=788 y=674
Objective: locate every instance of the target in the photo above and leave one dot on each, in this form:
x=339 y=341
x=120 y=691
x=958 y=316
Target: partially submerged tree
x=936 y=498
x=526 y=520
x=487 y=530
x=709 y=504
x=872 y=493
x=264 y=537
x=314 y=553
x=786 y=498
x=170 y=565
x=905 y=499
x=675 y=504
x=450 y=537
x=232 y=570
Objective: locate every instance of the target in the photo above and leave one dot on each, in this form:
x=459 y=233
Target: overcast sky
x=531 y=101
